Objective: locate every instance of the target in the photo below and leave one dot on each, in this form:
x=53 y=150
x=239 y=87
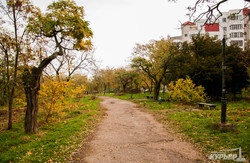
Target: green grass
x=55 y=140
x=199 y=126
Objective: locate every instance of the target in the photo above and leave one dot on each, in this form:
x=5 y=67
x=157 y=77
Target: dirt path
x=127 y=134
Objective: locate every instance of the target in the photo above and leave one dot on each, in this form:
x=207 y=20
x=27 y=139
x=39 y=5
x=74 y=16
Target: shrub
x=185 y=91
x=52 y=96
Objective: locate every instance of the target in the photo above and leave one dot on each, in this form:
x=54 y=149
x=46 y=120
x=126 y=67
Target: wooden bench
x=202 y=104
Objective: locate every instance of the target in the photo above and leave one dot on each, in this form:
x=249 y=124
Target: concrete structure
x=234 y=25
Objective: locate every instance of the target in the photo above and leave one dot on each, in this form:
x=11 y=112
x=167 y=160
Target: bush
x=185 y=91
x=52 y=96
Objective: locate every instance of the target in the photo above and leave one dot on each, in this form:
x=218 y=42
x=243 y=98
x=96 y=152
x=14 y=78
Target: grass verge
x=56 y=140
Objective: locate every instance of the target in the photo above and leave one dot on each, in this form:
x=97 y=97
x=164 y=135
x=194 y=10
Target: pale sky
x=119 y=24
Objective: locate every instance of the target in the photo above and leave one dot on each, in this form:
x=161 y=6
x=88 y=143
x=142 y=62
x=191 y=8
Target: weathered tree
x=64 y=24
x=153 y=59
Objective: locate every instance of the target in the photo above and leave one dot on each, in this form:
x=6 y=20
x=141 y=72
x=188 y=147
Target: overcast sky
x=119 y=24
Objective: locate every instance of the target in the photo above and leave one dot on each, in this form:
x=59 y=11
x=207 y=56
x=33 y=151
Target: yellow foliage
x=52 y=96
x=185 y=91
x=78 y=91
x=20 y=101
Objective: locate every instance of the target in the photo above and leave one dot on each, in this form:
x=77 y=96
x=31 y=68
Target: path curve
x=127 y=134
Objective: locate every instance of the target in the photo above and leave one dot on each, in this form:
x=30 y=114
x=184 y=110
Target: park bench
x=148 y=97
x=202 y=104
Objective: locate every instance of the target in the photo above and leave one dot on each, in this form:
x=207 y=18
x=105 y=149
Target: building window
x=236 y=42
x=236 y=34
x=224 y=19
x=186 y=35
x=236 y=26
x=224 y=28
x=236 y=17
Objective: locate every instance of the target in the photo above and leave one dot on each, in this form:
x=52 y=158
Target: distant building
x=234 y=25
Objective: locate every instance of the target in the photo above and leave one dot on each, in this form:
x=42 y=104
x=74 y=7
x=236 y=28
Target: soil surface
x=127 y=135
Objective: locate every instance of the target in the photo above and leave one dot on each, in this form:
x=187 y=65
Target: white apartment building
x=233 y=25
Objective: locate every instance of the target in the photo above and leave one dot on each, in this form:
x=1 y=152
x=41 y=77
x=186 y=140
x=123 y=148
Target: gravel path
x=127 y=135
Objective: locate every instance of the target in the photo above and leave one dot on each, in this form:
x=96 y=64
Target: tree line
x=156 y=64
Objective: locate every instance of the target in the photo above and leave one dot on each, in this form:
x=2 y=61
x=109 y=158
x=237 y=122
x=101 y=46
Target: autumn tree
x=13 y=16
x=96 y=82
x=153 y=59
x=106 y=79
x=145 y=82
x=63 y=24
x=127 y=78
x=134 y=82
x=123 y=77
x=6 y=66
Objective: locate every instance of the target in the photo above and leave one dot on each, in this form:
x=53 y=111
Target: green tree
x=63 y=24
x=201 y=60
x=124 y=77
x=237 y=69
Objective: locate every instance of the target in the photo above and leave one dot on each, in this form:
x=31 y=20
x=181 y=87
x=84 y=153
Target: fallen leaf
x=29 y=153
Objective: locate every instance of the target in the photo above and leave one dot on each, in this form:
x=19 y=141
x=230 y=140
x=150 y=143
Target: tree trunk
x=124 y=87
x=31 y=112
x=31 y=83
x=157 y=87
x=151 y=87
x=9 y=94
x=12 y=93
x=10 y=113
